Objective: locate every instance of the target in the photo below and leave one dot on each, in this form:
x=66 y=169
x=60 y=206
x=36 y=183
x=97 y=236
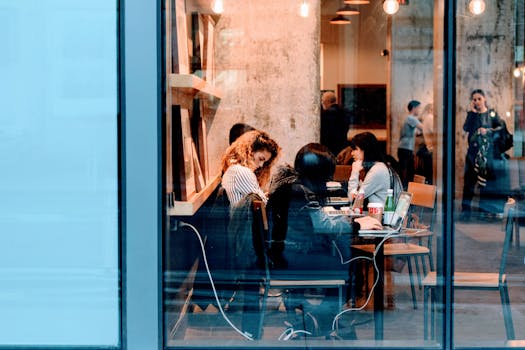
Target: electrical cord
x=335 y=322
x=290 y=332
x=246 y=335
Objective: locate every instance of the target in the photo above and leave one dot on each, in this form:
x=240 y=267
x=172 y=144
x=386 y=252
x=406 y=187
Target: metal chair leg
x=426 y=291
x=411 y=277
x=507 y=315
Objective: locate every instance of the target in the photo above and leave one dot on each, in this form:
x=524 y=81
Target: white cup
x=375 y=210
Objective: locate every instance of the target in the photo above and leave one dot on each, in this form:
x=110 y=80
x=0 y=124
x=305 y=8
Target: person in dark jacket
x=485 y=165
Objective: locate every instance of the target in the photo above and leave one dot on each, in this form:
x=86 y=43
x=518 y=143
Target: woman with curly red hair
x=246 y=165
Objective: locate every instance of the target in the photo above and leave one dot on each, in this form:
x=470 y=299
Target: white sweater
x=375 y=184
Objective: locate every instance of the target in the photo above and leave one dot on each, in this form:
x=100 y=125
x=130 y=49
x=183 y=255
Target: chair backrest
x=342 y=173
x=508 y=219
x=423 y=195
x=261 y=234
x=419 y=179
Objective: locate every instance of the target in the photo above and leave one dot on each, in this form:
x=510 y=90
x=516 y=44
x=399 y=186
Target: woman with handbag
x=486 y=165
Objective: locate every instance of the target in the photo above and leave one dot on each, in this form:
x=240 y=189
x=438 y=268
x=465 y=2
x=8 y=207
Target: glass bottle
x=389 y=207
x=358 y=202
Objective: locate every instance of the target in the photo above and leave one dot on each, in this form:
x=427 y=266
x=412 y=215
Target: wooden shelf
x=190 y=207
x=189 y=84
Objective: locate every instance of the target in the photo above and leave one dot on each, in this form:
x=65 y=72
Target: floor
x=477 y=315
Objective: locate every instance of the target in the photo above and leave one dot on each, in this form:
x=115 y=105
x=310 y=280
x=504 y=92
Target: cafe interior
x=442 y=279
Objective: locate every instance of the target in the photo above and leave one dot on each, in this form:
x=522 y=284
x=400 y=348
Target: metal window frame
x=141 y=101
x=142 y=212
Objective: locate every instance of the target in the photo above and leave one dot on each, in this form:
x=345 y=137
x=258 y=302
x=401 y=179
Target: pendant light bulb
x=390 y=6
x=218 y=7
x=476 y=7
x=304 y=9
x=357 y=2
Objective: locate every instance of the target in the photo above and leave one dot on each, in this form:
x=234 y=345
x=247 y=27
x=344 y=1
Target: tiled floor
x=478 y=315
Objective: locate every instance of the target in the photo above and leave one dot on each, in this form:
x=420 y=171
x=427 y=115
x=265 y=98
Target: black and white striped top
x=238 y=181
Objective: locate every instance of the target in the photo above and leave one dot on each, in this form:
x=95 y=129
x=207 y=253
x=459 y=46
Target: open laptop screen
x=403 y=204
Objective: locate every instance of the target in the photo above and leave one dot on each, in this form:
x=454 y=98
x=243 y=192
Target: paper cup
x=375 y=210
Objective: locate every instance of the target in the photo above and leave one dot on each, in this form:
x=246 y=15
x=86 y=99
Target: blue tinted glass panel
x=59 y=252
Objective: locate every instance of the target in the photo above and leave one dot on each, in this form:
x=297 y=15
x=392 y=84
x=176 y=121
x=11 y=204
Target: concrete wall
x=412 y=62
x=351 y=53
x=267 y=63
x=485 y=55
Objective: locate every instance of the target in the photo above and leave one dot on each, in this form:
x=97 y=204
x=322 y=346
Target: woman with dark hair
x=485 y=164
x=297 y=196
x=370 y=170
x=304 y=236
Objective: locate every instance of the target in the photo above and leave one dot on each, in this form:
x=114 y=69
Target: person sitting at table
x=370 y=170
x=372 y=173
x=304 y=236
x=297 y=196
x=246 y=165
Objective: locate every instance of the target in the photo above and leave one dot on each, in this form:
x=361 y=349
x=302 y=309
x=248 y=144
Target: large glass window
x=489 y=177
x=372 y=86
x=59 y=260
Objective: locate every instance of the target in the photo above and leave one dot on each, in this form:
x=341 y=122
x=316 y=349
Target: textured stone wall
x=412 y=62
x=485 y=57
x=267 y=64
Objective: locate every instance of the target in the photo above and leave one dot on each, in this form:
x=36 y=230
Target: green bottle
x=389 y=207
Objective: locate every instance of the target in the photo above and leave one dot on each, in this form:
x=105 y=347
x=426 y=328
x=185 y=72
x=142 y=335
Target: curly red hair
x=243 y=148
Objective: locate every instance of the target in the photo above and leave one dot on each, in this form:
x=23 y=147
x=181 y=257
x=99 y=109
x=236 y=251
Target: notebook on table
x=400 y=214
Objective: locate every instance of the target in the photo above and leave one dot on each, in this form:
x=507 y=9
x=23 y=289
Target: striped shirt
x=238 y=181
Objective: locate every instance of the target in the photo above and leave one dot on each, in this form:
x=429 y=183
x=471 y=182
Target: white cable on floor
x=244 y=334
x=336 y=318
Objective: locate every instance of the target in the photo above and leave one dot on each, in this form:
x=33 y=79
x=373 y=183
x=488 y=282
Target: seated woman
x=370 y=170
x=297 y=196
x=373 y=174
x=246 y=165
x=306 y=242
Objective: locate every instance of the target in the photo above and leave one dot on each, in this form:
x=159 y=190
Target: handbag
x=503 y=139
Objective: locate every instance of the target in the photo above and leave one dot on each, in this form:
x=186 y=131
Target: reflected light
x=303 y=12
x=390 y=6
x=517 y=72
x=476 y=7
x=218 y=6
x=357 y=2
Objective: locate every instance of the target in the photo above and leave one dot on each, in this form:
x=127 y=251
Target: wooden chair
x=422 y=204
x=495 y=281
x=342 y=173
x=419 y=179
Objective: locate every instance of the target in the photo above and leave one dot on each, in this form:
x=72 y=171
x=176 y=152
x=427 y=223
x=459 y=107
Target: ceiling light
x=347 y=10
x=390 y=6
x=218 y=7
x=476 y=7
x=304 y=9
x=357 y=2
x=340 y=20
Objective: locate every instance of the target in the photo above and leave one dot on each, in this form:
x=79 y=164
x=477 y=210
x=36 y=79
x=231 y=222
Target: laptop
x=343 y=211
x=401 y=212
x=337 y=201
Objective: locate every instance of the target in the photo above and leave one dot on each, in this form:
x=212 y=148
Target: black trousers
x=493 y=196
x=406 y=164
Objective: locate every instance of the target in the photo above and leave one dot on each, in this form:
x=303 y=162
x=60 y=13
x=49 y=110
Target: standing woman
x=246 y=165
x=485 y=165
